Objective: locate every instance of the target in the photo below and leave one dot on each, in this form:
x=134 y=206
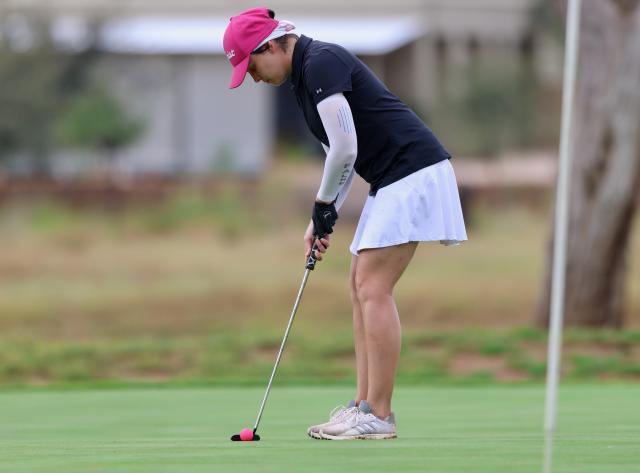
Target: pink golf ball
x=246 y=435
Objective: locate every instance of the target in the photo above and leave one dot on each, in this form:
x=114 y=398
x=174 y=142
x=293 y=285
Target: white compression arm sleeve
x=337 y=120
x=344 y=190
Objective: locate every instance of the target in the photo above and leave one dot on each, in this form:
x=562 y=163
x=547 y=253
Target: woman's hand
x=324 y=216
x=321 y=243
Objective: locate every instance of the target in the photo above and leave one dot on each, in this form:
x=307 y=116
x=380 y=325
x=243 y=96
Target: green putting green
x=445 y=429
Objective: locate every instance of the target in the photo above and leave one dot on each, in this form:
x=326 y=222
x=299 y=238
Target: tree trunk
x=605 y=173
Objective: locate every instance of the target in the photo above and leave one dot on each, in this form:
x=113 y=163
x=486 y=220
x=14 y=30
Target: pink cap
x=243 y=34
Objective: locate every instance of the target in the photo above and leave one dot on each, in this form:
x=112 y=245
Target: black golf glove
x=324 y=218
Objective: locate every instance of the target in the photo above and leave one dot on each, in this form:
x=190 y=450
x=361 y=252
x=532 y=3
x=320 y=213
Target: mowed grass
x=452 y=430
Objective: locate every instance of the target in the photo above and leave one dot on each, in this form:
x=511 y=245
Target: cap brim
x=239 y=72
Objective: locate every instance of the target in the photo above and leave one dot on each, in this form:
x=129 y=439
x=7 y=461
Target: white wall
x=194 y=122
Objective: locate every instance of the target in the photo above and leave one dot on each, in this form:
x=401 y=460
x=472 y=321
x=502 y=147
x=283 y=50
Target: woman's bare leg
x=358 y=337
x=376 y=273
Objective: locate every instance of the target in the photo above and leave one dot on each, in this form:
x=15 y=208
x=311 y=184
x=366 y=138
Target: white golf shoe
x=361 y=425
x=338 y=414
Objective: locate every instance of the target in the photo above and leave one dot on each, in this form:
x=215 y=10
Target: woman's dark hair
x=282 y=41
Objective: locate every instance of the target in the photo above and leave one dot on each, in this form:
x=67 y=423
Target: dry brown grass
x=106 y=279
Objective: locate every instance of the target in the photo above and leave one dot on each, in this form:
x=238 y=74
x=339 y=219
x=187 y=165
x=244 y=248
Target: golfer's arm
x=337 y=120
x=344 y=190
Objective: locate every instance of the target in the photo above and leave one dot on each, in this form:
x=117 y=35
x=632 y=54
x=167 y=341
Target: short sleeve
x=326 y=74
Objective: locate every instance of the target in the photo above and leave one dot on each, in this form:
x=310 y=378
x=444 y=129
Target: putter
x=246 y=434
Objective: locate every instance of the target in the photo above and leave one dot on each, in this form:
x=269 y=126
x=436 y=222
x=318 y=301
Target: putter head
x=236 y=438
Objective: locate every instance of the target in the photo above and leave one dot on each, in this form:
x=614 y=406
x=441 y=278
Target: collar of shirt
x=296 y=60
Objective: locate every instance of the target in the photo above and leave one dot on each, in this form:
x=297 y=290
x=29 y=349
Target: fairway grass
x=469 y=430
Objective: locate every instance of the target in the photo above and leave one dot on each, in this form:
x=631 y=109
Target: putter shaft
x=309 y=267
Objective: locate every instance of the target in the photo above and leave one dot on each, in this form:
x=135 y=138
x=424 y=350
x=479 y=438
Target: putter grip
x=311 y=261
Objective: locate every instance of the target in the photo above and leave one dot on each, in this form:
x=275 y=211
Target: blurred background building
x=164 y=62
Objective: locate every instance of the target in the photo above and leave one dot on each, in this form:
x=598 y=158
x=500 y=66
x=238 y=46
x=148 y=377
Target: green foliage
x=246 y=356
x=46 y=217
x=585 y=366
x=493 y=112
x=530 y=334
x=534 y=370
x=545 y=17
x=28 y=99
x=226 y=212
x=49 y=97
x=495 y=345
x=35 y=87
x=97 y=120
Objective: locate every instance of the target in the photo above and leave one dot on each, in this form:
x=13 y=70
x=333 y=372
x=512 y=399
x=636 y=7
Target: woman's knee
x=352 y=282
x=353 y=290
x=368 y=288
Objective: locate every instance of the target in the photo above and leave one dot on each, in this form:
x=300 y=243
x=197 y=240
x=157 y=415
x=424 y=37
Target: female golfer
x=364 y=129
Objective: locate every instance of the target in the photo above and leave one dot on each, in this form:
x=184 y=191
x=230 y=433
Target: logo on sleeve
x=318 y=91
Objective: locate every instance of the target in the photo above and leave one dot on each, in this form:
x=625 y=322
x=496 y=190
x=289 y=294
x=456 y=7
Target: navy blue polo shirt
x=392 y=141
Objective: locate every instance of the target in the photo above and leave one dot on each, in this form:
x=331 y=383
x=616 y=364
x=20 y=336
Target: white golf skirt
x=424 y=206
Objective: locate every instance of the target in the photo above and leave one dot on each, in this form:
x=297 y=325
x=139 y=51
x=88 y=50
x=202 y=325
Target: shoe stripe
x=364 y=428
x=367 y=428
x=372 y=427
